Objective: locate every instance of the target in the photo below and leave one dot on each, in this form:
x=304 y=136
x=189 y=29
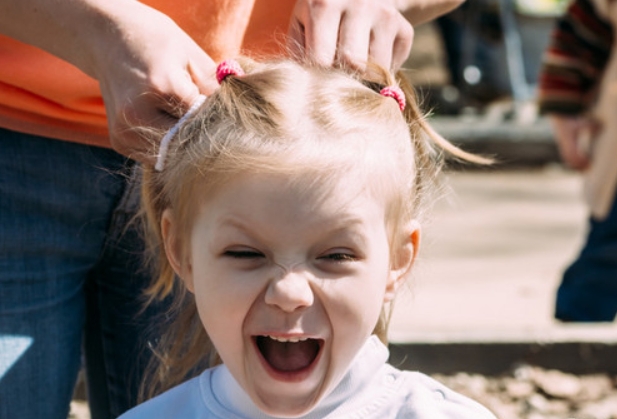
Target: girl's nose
x=290 y=291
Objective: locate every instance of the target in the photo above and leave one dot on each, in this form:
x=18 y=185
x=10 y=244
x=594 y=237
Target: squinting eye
x=339 y=257
x=243 y=254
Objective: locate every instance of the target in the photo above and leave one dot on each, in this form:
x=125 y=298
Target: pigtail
x=182 y=352
x=153 y=205
x=429 y=145
x=183 y=348
x=413 y=115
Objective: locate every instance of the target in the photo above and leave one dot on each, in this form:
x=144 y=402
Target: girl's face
x=290 y=279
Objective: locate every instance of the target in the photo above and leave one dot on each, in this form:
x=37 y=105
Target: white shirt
x=370 y=389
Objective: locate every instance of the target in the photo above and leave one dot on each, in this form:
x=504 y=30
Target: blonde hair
x=290 y=117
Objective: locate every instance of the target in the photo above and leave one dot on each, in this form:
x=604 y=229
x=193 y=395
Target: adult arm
x=353 y=32
x=149 y=70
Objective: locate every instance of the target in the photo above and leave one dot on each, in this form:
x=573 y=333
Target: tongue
x=288 y=356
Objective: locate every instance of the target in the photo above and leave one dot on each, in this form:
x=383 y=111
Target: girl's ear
x=179 y=262
x=405 y=250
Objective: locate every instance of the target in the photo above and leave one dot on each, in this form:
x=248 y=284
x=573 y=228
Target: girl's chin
x=286 y=406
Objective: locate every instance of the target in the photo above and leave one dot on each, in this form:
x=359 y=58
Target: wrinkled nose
x=290 y=291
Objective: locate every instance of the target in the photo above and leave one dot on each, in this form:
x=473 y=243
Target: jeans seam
x=113 y=235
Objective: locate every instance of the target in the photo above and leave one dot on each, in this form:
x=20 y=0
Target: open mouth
x=288 y=355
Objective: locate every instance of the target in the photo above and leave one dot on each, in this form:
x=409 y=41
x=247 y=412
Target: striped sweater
x=575 y=60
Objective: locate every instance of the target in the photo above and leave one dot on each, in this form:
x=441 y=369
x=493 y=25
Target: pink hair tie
x=396 y=93
x=228 y=68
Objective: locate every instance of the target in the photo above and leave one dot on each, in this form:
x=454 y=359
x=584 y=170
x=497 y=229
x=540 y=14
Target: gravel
x=534 y=393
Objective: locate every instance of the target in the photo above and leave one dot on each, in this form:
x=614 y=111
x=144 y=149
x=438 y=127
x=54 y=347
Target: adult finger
x=141 y=109
x=354 y=39
x=183 y=91
x=321 y=24
x=568 y=133
x=202 y=70
x=391 y=39
x=185 y=86
x=574 y=157
x=380 y=49
x=402 y=46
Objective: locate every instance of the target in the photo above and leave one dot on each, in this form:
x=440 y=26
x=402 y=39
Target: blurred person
x=472 y=38
x=578 y=92
x=75 y=77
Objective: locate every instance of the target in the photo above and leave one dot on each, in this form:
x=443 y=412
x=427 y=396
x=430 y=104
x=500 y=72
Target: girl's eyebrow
x=231 y=221
x=343 y=219
x=346 y=224
x=352 y=230
x=237 y=224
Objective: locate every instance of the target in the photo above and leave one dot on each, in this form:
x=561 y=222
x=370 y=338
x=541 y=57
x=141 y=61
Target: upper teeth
x=292 y=340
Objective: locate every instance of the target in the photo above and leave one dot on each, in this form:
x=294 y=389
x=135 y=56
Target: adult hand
x=351 y=32
x=573 y=135
x=149 y=77
x=149 y=70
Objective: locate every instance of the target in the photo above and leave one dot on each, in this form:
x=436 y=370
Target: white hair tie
x=164 y=146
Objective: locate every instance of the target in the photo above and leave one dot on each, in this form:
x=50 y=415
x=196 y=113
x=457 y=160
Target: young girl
x=287 y=206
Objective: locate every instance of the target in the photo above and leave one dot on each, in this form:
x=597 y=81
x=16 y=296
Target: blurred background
x=499 y=236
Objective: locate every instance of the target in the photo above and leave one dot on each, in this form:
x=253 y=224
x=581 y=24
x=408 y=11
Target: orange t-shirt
x=43 y=95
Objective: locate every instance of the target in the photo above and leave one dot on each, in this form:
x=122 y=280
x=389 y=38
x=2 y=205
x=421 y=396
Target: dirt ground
x=534 y=393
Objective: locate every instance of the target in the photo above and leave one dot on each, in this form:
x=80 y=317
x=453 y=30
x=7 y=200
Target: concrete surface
x=492 y=252
x=484 y=285
x=514 y=143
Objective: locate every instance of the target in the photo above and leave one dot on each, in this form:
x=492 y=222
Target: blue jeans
x=71 y=278
x=588 y=291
